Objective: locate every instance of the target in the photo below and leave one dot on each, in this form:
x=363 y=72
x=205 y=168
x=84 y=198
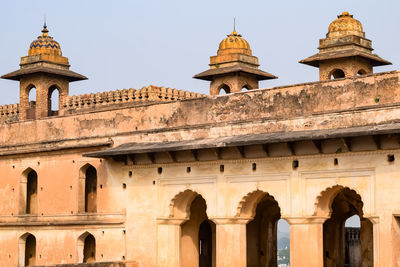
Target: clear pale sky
x=123 y=44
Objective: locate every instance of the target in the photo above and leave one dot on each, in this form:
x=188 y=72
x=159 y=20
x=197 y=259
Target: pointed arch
x=86 y=246
x=180 y=205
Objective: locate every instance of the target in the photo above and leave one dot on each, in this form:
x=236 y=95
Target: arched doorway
x=345 y=204
x=198 y=237
x=261 y=234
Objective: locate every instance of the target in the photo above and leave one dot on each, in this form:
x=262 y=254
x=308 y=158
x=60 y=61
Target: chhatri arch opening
x=344 y=246
x=262 y=229
x=198 y=233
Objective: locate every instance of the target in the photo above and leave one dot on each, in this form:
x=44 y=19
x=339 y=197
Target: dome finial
x=234 y=24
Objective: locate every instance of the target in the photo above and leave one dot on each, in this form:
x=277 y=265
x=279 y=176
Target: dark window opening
x=91 y=190
x=31 y=193
x=89 y=249
x=30 y=251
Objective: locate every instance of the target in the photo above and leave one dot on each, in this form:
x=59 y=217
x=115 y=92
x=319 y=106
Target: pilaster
x=169 y=242
x=231 y=241
x=306 y=241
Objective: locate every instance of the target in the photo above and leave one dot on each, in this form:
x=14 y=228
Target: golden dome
x=234 y=43
x=44 y=44
x=345 y=25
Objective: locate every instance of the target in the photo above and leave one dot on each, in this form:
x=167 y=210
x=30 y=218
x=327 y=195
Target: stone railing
x=150 y=94
x=9 y=112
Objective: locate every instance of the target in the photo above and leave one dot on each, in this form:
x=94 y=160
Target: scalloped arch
x=179 y=206
x=323 y=203
x=247 y=206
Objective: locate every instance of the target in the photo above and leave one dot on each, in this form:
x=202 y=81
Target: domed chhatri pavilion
x=234 y=67
x=160 y=177
x=345 y=52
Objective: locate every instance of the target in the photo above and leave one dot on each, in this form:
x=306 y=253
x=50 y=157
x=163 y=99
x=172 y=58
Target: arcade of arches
x=256 y=223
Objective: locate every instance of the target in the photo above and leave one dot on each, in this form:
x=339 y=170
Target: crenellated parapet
x=9 y=112
x=150 y=94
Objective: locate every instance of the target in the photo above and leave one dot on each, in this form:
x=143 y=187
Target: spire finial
x=234 y=24
x=45 y=30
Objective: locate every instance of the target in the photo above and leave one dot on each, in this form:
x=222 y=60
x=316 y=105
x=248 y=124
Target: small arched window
x=336 y=74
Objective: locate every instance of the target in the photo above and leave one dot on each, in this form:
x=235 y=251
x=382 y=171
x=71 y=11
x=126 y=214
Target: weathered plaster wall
x=332 y=104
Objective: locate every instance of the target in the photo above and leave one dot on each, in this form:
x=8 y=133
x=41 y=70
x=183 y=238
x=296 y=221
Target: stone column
x=231 y=241
x=306 y=241
x=169 y=242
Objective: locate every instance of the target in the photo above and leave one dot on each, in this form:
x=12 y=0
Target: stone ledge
x=96 y=264
x=63 y=220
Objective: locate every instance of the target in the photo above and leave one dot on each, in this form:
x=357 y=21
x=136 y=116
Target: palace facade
x=159 y=177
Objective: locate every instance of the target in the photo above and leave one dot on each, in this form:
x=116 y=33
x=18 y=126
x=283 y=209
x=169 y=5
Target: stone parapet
x=150 y=93
x=9 y=112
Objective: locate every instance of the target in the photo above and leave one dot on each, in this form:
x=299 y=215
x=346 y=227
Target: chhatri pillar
x=234 y=67
x=345 y=52
x=46 y=70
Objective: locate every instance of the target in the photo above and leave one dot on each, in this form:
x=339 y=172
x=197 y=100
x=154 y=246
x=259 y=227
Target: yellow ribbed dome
x=234 y=43
x=44 y=45
x=345 y=25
